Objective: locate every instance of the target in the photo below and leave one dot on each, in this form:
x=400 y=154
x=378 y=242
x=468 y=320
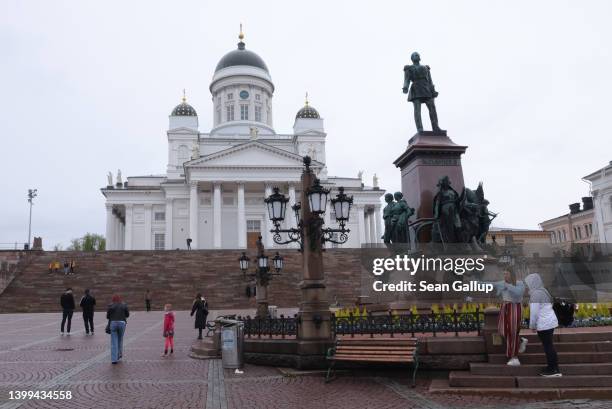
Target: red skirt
x=509 y=325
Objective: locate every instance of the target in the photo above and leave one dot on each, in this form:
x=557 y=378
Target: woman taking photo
x=117 y=314
x=200 y=309
x=542 y=318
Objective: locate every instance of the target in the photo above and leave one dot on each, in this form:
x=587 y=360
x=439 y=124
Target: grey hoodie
x=541 y=314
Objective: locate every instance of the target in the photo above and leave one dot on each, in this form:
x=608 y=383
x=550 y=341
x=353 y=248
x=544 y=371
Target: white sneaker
x=514 y=362
x=523 y=345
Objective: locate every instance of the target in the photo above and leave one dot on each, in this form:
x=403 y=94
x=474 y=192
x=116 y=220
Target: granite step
x=467 y=379
x=487 y=369
x=586 y=346
x=442 y=386
x=564 y=358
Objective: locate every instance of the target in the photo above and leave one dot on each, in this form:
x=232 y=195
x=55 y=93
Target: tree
x=89 y=242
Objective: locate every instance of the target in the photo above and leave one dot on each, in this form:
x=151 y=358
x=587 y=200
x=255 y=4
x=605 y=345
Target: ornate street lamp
x=278 y=262
x=262 y=275
x=317 y=199
x=244 y=262
x=277 y=206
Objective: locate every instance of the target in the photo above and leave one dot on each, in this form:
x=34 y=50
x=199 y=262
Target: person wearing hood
x=511 y=292
x=67 y=303
x=542 y=319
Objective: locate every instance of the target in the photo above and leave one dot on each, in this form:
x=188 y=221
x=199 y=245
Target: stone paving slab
x=33 y=356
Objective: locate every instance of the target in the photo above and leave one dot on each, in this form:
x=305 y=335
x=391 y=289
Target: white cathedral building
x=215 y=183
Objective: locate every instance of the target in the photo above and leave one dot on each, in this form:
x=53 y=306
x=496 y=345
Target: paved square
x=33 y=356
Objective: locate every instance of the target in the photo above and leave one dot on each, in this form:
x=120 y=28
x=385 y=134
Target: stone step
x=468 y=379
x=564 y=358
x=484 y=369
x=583 y=335
x=204 y=349
x=442 y=386
x=587 y=346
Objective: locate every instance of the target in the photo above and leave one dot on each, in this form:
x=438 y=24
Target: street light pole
x=32 y=193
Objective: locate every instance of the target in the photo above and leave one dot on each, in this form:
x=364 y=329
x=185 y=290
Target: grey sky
x=87 y=87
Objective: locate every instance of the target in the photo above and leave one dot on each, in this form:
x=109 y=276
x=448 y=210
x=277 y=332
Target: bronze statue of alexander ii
x=422 y=91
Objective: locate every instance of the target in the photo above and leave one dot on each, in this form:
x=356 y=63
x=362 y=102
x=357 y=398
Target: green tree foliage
x=89 y=242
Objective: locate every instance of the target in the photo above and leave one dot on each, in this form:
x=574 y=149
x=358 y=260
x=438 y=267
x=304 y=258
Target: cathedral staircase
x=172 y=277
x=585 y=360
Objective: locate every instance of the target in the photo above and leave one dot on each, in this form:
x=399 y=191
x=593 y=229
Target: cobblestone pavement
x=34 y=357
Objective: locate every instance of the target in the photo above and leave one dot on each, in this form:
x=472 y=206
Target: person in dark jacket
x=200 y=309
x=148 y=296
x=67 y=303
x=88 y=303
x=117 y=315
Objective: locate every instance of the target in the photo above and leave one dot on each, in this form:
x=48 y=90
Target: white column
x=128 y=226
x=373 y=232
x=117 y=236
x=193 y=214
x=242 y=242
x=267 y=236
x=361 y=219
x=121 y=242
x=217 y=216
x=290 y=214
x=110 y=227
x=169 y=218
x=378 y=221
x=366 y=219
x=148 y=209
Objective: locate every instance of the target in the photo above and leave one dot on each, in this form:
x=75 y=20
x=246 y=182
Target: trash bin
x=232 y=337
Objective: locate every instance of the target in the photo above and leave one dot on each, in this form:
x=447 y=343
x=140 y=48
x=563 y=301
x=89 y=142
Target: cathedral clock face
x=244 y=94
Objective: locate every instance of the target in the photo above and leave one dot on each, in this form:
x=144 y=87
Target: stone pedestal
x=261 y=295
x=429 y=156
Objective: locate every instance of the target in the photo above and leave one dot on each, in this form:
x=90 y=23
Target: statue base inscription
x=429 y=157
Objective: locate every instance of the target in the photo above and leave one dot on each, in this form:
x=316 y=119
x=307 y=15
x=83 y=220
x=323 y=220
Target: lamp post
x=32 y=193
x=314 y=317
x=262 y=275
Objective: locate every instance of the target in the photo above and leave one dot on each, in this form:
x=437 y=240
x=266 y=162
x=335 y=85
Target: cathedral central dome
x=241 y=56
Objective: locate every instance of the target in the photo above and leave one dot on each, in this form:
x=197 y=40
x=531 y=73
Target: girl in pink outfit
x=168 y=329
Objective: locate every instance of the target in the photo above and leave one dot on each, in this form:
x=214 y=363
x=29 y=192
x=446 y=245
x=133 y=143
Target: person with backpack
x=88 y=303
x=542 y=319
x=67 y=304
x=200 y=309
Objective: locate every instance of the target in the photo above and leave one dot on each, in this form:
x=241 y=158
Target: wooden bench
x=375 y=350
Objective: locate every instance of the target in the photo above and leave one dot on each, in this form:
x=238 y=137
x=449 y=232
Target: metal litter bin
x=232 y=338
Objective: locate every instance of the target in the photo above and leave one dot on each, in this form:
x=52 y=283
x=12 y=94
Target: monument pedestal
x=429 y=156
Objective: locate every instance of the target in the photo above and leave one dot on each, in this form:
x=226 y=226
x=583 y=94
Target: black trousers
x=66 y=316
x=88 y=320
x=551 y=355
x=148 y=304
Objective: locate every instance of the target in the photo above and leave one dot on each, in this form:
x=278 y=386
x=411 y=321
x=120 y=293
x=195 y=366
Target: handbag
x=564 y=310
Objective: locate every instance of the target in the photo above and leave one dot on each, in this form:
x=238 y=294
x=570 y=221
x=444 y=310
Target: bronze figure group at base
x=457 y=218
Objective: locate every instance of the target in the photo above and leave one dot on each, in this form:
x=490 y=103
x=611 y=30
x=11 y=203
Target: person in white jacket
x=542 y=318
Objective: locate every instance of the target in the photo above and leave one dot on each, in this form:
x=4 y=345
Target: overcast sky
x=87 y=87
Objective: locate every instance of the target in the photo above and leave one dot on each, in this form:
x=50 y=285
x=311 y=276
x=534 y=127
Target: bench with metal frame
x=374 y=350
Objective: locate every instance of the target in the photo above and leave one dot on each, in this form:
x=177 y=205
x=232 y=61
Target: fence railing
x=389 y=324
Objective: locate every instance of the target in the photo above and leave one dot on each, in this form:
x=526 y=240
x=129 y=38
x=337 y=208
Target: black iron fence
x=370 y=324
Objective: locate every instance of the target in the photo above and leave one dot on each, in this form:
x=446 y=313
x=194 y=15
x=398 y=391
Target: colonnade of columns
x=119 y=234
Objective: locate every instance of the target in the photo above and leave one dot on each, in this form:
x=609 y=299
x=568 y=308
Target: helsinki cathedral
x=215 y=182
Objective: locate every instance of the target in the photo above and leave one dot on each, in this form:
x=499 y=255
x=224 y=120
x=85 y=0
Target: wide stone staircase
x=172 y=277
x=585 y=360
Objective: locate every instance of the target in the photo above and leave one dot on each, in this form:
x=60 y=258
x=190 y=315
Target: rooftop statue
x=422 y=91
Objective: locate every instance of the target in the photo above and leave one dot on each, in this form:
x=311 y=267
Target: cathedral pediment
x=252 y=154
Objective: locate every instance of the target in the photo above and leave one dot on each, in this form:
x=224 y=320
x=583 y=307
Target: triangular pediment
x=251 y=154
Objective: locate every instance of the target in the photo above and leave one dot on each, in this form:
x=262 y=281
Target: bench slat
x=372 y=359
